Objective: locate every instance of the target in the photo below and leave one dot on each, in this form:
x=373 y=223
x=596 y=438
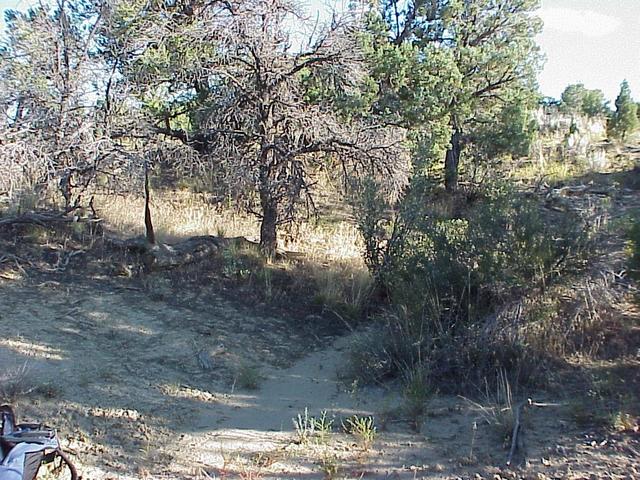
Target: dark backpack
x=24 y=447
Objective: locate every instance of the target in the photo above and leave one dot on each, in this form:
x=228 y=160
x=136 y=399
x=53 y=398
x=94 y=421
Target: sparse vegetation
x=15 y=382
x=308 y=427
x=330 y=466
x=323 y=426
x=501 y=410
x=363 y=428
x=305 y=426
x=248 y=377
x=417 y=394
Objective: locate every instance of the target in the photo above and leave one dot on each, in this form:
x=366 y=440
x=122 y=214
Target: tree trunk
x=451 y=161
x=268 y=235
x=150 y=234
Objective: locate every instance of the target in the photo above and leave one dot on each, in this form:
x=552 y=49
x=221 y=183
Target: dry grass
x=324 y=257
x=343 y=286
x=177 y=215
x=551 y=171
x=15 y=382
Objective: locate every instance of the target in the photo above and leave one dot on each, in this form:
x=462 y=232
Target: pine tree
x=625 y=119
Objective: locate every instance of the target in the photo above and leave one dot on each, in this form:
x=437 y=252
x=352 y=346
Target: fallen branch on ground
x=164 y=256
x=45 y=219
x=516 y=430
x=517 y=425
x=155 y=256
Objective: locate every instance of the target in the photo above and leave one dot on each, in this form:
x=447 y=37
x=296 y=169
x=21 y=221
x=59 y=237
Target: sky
x=594 y=42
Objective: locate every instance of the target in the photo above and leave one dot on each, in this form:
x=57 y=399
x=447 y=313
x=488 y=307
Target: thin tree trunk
x=151 y=236
x=451 y=162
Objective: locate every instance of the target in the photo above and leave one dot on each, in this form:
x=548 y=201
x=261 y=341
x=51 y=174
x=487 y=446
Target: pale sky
x=595 y=42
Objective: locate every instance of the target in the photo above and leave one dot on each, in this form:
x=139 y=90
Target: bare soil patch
x=121 y=376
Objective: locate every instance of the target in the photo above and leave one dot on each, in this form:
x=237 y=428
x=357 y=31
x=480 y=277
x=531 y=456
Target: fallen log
x=135 y=244
x=192 y=250
x=45 y=219
x=164 y=256
x=155 y=256
x=161 y=256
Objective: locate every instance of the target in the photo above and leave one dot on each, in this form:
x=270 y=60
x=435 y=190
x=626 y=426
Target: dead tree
x=56 y=130
x=248 y=99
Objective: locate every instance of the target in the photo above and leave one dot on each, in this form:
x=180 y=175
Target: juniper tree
x=493 y=50
x=625 y=119
x=576 y=99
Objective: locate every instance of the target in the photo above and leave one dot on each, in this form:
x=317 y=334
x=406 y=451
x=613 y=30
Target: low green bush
x=457 y=261
x=633 y=235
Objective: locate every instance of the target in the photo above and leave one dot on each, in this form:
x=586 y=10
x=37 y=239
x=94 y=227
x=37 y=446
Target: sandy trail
x=244 y=427
x=310 y=383
x=117 y=371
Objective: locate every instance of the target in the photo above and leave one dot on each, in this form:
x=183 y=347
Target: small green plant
x=362 y=427
x=305 y=426
x=418 y=391
x=329 y=466
x=323 y=425
x=308 y=426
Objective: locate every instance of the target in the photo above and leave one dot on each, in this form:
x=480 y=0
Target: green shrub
x=477 y=257
x=633 y=234
x=248 y=377
x=361 y=427
x=449 y=268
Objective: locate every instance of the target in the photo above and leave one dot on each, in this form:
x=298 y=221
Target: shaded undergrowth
x=502 y=280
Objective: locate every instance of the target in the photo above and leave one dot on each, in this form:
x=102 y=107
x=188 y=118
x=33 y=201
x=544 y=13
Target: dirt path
x=310 y=383
x=244 y=429
x=119 y=372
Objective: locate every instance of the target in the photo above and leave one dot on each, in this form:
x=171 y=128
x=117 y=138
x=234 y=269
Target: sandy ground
x=143 y=387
